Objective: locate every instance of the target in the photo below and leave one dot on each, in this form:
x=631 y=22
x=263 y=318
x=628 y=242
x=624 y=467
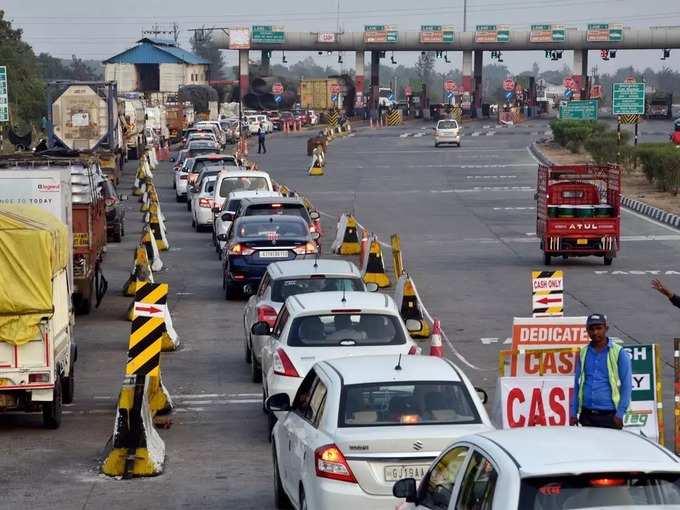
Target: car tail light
x=607 y=482
x=42 y=377
x=331 y=463
x=240 y=249
x=267 y=314
x=312 y=229
x=283 y=365
x=183 y=177
x=307 y=248
x=413 y=350
x=205 y=202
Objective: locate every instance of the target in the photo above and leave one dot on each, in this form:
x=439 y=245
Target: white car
x=313 y=118
x=182 y=179
x=202 y=204
x=447 y=131
x=544 y=468
x=217 y=129
x=285 y=279
x=325 y=325
x=357 y=425
x=266 y=124
x=239 y=179
x=224 y=218
x=253 y=124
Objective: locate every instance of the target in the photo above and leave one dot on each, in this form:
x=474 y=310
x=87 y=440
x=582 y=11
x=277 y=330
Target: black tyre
x=52 y=411
x=303 y=500
x=117 y=235
x=178 y=198
x=547 y=259
x=248 y=353
x=436 y=144
x=608 y=260
x=68 y=384
x=281 y=500
x=255 y=369
x=230 y=291
x=188 y=204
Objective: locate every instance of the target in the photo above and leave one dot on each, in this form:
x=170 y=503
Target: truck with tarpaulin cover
x=579 y=211
x=69 y=188
x=37 y=348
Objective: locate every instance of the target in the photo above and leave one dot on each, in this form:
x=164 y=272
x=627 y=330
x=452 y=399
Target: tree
x=202 y=47
x=425 y=67
x=535 y=70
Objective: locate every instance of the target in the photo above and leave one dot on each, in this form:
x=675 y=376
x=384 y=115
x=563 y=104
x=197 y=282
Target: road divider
x=436 y=346
x=347 y=238
x=141 y=272
x=373 y=267
x=406 y=298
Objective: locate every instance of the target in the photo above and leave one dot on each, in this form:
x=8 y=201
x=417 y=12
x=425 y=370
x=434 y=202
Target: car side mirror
x=413 y=325
x=316 y=235
x=261 y=328
x=222 y=237
x=124 y=198
x=228 y=216
x=278 y=402
x=483 y=395
x=172 y=160
x=216 y=210
x=314 y=215
x=405 y=488
x=372 y=287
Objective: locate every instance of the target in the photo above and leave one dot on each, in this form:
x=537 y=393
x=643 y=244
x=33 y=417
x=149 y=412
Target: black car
x=115 y=212
x=254 y=242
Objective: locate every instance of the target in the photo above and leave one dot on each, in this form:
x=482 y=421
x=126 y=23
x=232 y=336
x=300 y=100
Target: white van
x=239 y=180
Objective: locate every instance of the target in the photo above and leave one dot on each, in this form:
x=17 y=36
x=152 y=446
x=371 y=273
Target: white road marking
x=404 y=135
x=491 y=165
x=431 y=151
x=637 y=272
x=491 y=133
x=476 y=133
x=486 y=126
x=491 y=177
x=514 y=208
x=418 y=135
x=487 y=341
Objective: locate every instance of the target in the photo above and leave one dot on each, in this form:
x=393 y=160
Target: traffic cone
x=158 y=228
x=318 y=162
x=152 y=251
x=170 y=339
x=373 y=267
x=436 y=346
x=347 y=239
x=141 y=272
x=409 y=305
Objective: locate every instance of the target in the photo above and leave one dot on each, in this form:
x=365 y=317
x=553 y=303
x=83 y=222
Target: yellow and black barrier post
x=395 y=242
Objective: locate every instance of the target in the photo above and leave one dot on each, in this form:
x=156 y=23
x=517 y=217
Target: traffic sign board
x=268 y=34
x=508 y=95
x=547 y=290
x=580 y=110
x=4 y=97
x=508 y=84
x=450 y=85
x=408 y=91
x=628 y=99
x=278 y=99
x=569 y=83
x=277 y=89
x=335 y=89
x=568 y=93
x=334 y=98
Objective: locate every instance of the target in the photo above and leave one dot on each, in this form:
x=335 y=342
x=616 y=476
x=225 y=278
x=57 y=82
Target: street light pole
x=464 y=15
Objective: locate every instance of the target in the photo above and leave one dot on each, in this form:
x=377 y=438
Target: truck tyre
x=69 y=384
x=281 y=500
x=117 y=236
x=132 y=154
x=188 y=203
x=84 y=304
x=51 y=411
x=608 y=259
x=546 y=259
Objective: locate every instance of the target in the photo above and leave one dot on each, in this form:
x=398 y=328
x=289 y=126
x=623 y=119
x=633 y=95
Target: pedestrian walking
x=674 y=298
x=603 y=380
x=261 y=147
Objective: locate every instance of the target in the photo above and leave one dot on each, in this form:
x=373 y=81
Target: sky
x=95 y=29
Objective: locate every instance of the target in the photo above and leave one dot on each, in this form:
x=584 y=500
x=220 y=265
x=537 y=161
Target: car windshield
x=449 y=124
x=408 y=403
x=198 y=152
x=272 y=230
x=204 y=163
x=278 y=209
x=284 y=288
x=346 y=329
x=242 y=183
x=629 y=490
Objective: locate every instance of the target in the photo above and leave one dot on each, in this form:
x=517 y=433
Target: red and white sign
x=277 y=89
x=239 y=38
x=508 y=85
x=630 y=79
x=326 y=37
x=450 y=85
x=549 y=332
x=408 y=91
x=535 y=401
x=149 y=310
x=335 y=89
x=569 y=83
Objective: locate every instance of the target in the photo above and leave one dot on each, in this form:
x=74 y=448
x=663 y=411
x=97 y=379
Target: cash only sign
x=536 y=377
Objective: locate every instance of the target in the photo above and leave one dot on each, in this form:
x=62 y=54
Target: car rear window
x=198 y=152
x=629 y=490
x=449 y=124
x=412 y=403
x=346 y=330
x=272 y=230
x=232 y=205
x=284 y=288
x=278 y=209
x=205 y=163
x=230 y=184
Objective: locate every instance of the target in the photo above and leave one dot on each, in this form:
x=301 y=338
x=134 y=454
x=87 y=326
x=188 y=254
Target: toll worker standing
x=603 y=380
x=261 y=137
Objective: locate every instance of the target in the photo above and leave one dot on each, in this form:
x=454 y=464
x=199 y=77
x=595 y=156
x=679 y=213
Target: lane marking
x=414 y=151
x=637 y=272
x=476 y=133
x=491 y=177
x=491 y=133
x=490 y=165
x=514 y=209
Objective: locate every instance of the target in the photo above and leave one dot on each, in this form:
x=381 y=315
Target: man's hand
x=573 y=421
x=618 y=422
x=656 y=284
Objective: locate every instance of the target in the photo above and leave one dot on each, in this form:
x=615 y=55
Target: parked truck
x=70 y=189
x=179 y=116
x=659 y=106
x=316 y=94
x=156 y=119
x=37 y=348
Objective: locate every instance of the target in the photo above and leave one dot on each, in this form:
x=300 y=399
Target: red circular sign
x=408 y=91
x=335 y=89
x=277 y=89
x=630 y=79
x=508 y=85
x=569 y=83
x=450 y=85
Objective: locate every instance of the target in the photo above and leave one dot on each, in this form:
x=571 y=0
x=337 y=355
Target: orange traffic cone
x=436 y=347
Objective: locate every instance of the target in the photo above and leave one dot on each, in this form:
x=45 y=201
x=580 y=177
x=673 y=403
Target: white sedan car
x=182 y=179
x=202 y=204
x=547 y=468
x=357 y=425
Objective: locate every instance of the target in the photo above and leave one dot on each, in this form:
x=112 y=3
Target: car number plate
x=272 y=254
x=394 y=473
x=582 y=241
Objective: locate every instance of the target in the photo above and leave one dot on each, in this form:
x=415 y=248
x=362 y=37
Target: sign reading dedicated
x=268 y=34
x=380 y=34
x=4 y=96
x=492 y=33
x=604 y=32
x=436 y=34
x=628 y=99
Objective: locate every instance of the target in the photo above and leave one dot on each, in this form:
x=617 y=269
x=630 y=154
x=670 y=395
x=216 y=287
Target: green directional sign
x=604 y=32
x=485 y=28
x=380 y=34
x=642 y=361
x=268 y=34
x=628 y=99
x=4 y=97
x=503 y=35
x=580 y=110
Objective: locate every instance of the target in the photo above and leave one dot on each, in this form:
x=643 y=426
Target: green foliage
x=51 y=68
x=573 y=134
x=604 y=147
x=661 y=165
x=204 y=48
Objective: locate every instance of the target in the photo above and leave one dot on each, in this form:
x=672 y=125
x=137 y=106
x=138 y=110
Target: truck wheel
x=51 y=411
x=230 y=291
x=84 y=303
x=132 y=153
x=608 y=259
x=69 y=384
x=546 y=259
x=117 y=236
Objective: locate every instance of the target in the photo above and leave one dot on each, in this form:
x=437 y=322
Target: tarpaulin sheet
x=33 y=248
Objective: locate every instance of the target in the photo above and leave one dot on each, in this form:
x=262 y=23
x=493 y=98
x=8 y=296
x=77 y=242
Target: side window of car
x=264 y=283
x=304 y=393
x=280 y=322
x=316 y=404
x=478 y=484
x=437 y=487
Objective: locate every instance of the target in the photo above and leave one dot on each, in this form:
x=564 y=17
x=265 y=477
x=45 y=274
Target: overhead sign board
x=604 y=32
x=492 y=33
x=580 y=110
x=326 y=37
x=380 y=34
x=4 y=95
x=239 y=38
x=547 y=33
x=547 y=290
x=436 y=34
x=268 y=34
x=628 y=99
